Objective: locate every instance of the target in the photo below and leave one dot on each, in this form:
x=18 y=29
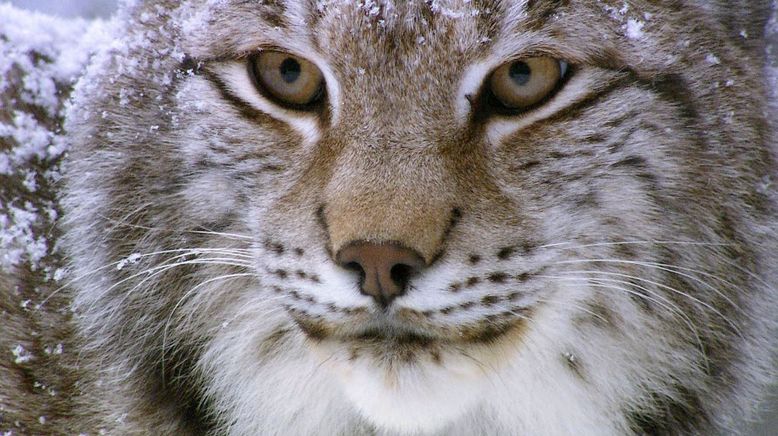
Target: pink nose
x=385 y=269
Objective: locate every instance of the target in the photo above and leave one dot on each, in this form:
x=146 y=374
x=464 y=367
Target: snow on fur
x=42 y=66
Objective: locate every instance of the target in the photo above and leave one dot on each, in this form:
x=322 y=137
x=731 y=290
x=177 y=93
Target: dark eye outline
x=315 y=105
x=488 y=104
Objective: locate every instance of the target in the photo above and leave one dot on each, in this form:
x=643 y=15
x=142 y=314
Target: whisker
x=223 y=234
x=185 y=253
x=675 y=270
x=568 y=304
x=253 y=311
x=481 y=365
x=659 y=300
x=181 y=300
x=318 y=367
x=572 y=245
x=124 y=223
x=661 y=285
x=153 y=272
x=653 y=296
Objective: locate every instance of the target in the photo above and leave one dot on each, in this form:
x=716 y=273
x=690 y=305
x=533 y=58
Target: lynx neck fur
x=418 y=218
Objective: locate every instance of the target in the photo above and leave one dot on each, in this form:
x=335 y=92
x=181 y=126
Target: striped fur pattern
x=604 y=263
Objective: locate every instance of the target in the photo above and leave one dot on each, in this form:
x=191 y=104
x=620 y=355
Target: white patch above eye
x=471 y=84
x=237 y=80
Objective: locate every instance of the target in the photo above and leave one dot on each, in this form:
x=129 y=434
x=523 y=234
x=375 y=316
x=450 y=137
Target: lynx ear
x=744 y=20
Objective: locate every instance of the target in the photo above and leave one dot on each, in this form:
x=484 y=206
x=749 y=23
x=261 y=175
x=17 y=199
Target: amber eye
x=288 y=79
x=524 y=83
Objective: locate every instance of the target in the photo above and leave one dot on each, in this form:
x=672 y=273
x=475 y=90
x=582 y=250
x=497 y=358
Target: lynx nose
x=385 y=269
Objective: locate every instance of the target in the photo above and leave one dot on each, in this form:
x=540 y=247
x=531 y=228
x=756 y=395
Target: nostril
x=355 y=266
x=401 y=275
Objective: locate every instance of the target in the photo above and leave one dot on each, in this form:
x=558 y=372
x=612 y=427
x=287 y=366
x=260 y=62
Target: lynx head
x=475 y=216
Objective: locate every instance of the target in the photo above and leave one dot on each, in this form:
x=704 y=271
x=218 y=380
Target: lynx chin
x=404 y=218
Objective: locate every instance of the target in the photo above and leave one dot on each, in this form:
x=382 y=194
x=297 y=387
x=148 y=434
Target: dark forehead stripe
x=273 y=12
x=544 y=9
x=316 y=11
x=540 y=11
x=389 y=23
x=488 y=18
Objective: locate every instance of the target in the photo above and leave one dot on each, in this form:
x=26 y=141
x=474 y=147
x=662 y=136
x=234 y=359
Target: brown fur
x=400 y=167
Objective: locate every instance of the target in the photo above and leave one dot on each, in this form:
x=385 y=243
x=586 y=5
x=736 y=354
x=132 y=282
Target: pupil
x=290 y=70
x=520 y=73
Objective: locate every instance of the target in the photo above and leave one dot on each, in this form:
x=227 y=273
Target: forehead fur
x=383 y=28
x=217 y=29
x=432 y=35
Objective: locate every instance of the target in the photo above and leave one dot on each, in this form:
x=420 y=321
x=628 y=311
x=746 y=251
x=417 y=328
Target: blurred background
x=70 y=8
x=104 y=8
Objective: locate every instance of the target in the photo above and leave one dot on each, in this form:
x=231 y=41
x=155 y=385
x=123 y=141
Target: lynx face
x=468 y=216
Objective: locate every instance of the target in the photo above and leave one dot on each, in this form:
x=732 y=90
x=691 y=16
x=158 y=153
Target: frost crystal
x=129 y=260
x=635 y=29
x=21 y=355
x=712 y=59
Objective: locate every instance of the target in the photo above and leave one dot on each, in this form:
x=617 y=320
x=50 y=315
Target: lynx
x=375 y=217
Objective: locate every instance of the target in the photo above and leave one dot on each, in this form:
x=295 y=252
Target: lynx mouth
x=398 y=332
x=405 y=338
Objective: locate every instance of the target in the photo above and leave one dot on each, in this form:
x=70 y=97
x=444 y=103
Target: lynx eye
x=524 y=83
x=287 y=79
